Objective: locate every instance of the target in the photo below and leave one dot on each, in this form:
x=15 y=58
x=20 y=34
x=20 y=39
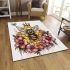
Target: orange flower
x=39 y=46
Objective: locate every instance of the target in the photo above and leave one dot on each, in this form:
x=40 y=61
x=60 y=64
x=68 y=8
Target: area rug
x=32 y=38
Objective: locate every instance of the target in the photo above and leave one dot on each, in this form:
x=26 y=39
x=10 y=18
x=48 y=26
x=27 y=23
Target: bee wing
x=35 y=28
x=20 y=28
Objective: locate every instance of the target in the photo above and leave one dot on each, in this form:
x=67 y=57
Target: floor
x=55 y=61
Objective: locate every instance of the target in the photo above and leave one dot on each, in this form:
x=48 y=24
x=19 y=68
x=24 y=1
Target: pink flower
x=31 y=48
x=17 y=45
x=20 y=38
